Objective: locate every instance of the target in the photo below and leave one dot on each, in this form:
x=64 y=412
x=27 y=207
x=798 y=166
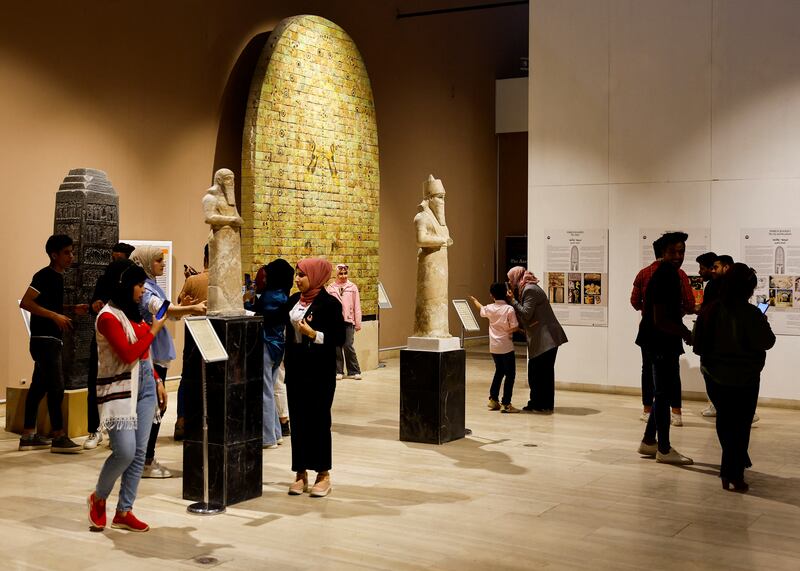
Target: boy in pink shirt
x=502 y=324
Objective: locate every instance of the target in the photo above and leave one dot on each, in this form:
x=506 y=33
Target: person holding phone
x=315 y=327
x=732 y=337
x=127 y=394
x=151 y=259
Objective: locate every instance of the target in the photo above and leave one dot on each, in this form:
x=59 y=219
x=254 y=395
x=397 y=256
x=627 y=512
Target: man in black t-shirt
x=660 y=334
x=44 y=299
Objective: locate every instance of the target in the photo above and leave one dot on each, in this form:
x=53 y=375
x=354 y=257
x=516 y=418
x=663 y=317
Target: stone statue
x=433 y=238
x=224 y=247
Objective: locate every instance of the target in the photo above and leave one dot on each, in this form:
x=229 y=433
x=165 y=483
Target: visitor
x=660 y=333
x=502 y=325
x=194 y=291
x=637 y=302
x=347 y=293
x=315 y=327
x=151 y=259
x=710 y=294
x=102 y=293
x=127 y=394
x=544 y=334
x=44 y=299
x=273 y=283
x=732 y=337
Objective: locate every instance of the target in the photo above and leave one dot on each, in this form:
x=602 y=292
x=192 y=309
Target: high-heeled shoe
x=738 y=486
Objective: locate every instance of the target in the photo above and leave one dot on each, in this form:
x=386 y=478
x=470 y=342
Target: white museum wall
x=681 y=114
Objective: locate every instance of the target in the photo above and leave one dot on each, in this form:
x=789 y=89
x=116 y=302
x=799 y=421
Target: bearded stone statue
x=224 y=247
x=433 y=239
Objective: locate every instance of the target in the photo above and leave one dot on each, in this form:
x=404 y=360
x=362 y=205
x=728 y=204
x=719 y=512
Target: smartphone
x=763 y=306
x=162 y=311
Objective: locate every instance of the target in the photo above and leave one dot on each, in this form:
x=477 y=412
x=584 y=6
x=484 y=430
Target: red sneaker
x=128 y=521
x=97 y=513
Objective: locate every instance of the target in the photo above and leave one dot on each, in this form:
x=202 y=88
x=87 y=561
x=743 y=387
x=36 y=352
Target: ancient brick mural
x=310 y=176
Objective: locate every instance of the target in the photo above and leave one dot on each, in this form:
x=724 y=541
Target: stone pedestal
x=432 y=395
x=73 y=410
x=234 y=414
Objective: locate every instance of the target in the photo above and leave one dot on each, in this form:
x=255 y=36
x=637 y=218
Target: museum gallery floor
x=566 y=491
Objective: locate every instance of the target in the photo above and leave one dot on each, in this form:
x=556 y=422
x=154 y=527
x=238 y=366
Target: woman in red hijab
x=315 y=327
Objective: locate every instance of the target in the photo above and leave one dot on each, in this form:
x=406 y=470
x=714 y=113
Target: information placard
x=576 y=275
x=206 y=339
x=468 y=321
x=774 y=253
x=383 y=299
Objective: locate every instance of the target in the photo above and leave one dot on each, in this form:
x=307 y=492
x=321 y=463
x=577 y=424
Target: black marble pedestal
x=234 y=414
x=432 y=395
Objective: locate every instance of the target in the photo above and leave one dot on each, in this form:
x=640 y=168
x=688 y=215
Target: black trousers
x=647 y=384
x=504 y=366
x=542 y=380
x=47 y=379
x=151 y=444
x=666 y=375
x=735 y=406
x=310 y=402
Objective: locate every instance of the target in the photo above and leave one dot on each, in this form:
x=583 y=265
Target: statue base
x=437 y=344
x=432 y=395
x=235 y=389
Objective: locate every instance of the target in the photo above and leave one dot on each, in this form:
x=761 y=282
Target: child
x=502 y=323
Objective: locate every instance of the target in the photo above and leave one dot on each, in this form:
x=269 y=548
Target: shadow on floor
x=762 y=485
x=469 y=453
x=576 y=410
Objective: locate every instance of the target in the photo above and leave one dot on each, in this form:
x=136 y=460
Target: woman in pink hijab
x=544 y=334
x=315 y=328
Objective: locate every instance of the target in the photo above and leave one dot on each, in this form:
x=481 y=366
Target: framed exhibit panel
x=576 y=275
x=164 y=281
x=774 y=253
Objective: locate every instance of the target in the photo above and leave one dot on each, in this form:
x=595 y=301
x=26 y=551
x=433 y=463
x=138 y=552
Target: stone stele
x=433 y=239
x=224 y=247
x=87 y=210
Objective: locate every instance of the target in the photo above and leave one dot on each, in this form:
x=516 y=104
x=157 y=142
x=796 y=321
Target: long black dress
x=311 y=382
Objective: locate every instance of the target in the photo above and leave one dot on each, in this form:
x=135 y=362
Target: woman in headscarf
x=126 y=394
x=347 y=293
x=315 y=327
x=273 y=283
x=151 y=260
x=544 y=334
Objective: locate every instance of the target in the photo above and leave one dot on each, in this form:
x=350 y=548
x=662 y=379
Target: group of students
x=521 y=305
x=132 y=350
x=730 y=335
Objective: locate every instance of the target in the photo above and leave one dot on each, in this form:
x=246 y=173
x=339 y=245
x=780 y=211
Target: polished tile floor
x=566 y=491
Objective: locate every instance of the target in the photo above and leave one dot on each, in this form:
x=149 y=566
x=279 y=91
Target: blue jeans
x=271 y=428
x=128 y=446
x=666 y=376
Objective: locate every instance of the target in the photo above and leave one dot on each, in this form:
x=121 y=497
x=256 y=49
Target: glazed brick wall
x=310 y=175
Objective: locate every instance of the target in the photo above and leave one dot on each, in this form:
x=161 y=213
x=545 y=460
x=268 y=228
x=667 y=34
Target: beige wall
x=646 y=113
x=135 y=89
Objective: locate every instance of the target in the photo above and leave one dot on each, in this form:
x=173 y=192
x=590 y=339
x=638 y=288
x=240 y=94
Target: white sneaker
x=280 y=440
x=357 y=376
x=155 y=470
x=647 y=449
x=676 y=420
x=94 y=439
x=645 y=417
x=709 y=411
x=755 y=418
x=673 y=457
x=339 y=376
x=269 y=446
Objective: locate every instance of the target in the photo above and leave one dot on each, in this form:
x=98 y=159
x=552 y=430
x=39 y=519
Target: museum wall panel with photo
x=671 y=115
x=152 y=93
